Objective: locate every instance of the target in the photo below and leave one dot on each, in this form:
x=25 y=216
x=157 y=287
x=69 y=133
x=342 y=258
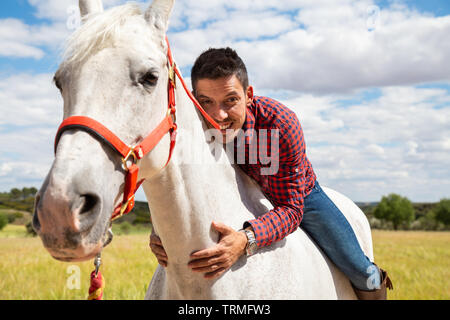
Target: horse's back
x=293 y=268
x=355 y=217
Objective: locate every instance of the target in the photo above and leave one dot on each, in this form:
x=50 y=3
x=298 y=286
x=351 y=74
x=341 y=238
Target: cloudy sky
x=369 y=81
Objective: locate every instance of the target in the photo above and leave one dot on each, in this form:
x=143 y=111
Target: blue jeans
x=330 y=230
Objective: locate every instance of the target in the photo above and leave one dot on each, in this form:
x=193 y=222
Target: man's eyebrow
x=232 y=93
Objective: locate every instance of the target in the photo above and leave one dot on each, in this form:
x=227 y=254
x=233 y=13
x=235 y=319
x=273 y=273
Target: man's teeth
x=224 y=127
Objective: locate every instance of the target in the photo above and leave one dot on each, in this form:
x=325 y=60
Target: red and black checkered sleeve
x=286 y=187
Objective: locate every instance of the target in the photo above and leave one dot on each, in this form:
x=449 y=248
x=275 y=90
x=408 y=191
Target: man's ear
x=249 y=95
x=158 y=14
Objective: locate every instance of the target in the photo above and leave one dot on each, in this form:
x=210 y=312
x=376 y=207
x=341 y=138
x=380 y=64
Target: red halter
x=168 y=125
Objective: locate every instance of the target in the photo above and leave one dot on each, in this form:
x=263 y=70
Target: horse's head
x=114 y=71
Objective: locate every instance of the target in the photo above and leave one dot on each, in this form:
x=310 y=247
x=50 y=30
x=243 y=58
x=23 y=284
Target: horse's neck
x=192 y=191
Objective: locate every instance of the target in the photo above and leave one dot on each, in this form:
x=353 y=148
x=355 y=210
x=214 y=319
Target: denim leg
x=329 y=228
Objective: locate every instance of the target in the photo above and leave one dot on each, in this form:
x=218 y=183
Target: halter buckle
x=123 y=208
x=131 y=153
x=171 y=113
x=172 y=75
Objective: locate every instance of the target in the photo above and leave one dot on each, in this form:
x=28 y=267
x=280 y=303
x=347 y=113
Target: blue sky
x=373 y=99
x=438 y=8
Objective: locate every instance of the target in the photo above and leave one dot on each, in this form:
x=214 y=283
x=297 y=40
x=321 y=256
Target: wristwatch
x=251 y=247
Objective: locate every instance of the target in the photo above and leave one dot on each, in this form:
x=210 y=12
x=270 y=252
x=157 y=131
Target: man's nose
x=219 y=114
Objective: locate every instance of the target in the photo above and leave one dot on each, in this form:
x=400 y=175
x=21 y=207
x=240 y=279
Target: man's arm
x=286 y=189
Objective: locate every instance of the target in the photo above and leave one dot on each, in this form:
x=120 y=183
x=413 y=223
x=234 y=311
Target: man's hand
x=158 y=249
x=213 y=262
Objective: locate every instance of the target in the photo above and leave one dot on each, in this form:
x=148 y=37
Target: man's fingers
x=158 y=250
x=206 y=253
x=162 y=262
x=210 y=268
x=154 y=239
x=201 y=263
x=222 y=228
x=162 y=259
x=215 y=274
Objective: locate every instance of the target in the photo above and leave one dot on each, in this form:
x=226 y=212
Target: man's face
x=225 y=100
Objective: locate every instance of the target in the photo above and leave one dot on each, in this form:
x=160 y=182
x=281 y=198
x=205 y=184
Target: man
x=220 y=83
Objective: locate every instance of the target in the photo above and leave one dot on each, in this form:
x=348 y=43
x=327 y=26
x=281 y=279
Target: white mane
x=97 y=34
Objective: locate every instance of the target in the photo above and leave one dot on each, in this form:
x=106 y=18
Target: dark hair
x=219 y=63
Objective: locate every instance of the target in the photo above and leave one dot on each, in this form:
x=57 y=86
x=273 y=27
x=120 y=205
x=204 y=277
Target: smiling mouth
x=224 y=127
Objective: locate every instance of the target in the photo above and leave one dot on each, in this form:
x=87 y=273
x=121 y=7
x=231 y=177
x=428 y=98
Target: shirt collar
x=248 y=127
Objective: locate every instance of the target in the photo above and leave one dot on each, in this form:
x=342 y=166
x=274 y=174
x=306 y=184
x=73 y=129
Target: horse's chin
x=79 y=254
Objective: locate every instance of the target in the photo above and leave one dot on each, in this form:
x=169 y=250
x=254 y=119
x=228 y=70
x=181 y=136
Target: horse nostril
x=35 y=223
x=90 y=201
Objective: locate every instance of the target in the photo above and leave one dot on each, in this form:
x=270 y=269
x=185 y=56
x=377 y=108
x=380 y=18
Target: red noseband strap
x=130 y=155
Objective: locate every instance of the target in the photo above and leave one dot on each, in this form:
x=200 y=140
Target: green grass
x=417 y=262
x=13 y=231
x=27 y=271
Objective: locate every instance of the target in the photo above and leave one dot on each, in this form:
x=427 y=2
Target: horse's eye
x=149 y=79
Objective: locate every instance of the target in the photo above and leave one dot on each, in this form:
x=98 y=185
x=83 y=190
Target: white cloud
x=31 y=110
x=60 y=10
x=20 y=40
x=307 y=46
x=326 y=47
x=20 y=50
x=29 y=100
x=396 y=142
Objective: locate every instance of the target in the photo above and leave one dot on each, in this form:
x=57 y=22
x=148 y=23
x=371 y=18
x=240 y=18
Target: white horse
x=116 y=72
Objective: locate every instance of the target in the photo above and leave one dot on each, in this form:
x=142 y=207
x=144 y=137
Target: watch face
x=252 y=248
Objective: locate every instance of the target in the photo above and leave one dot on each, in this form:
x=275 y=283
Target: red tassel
x=97 y=286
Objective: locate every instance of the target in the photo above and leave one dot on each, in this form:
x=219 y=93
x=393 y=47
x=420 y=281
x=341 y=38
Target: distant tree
x=442 y=211
x=28 y=192
x=16 y=194
x=396 y=209
x=3 y=221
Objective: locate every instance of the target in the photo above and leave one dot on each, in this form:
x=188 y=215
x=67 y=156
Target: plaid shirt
x=291 y=179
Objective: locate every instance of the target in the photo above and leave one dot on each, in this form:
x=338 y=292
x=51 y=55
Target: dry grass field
x=418 y=264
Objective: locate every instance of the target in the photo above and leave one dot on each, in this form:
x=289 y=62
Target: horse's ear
x=158 y=14
x=90 y=6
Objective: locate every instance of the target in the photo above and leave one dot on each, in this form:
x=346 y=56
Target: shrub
x=125 y=227
x=3 y=220
x=13 y=216
x=442 y=211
